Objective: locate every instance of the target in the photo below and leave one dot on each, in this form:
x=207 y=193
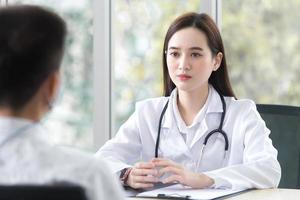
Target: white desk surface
x=267 y=194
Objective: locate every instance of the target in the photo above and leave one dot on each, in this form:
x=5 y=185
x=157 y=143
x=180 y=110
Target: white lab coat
x=251 y=161
x=28 y=158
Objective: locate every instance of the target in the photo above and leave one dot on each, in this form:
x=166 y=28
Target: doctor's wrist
x=124 y=175
x=206 y=180
x=202 y=181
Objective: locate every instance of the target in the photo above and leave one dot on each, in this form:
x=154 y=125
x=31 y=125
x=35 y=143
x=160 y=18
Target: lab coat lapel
x=215 y=103
x=172 y=143
x=214 y=107
x=200 y=132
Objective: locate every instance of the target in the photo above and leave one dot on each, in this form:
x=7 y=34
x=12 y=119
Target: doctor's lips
x=183 y=77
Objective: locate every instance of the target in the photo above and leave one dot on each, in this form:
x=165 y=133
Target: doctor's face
x=190 y=61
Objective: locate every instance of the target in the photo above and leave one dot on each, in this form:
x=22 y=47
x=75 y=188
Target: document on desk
x=180 y=191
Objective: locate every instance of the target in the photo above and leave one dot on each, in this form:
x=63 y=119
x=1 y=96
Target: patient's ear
x=54 y=84
x=51 y=87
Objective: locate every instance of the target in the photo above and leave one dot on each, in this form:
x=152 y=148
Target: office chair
x=284 y=123
x=42 y=192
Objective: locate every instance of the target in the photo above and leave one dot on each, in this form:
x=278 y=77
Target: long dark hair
x=219 y=79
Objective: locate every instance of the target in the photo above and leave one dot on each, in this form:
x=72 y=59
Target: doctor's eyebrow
x=173 y=48
x=196 y=48
x=191 y=48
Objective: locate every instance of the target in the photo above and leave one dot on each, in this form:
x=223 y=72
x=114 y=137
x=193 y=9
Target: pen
x=173 y=196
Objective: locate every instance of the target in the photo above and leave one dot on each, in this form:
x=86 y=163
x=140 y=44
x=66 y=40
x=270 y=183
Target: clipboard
x=178 y=191
x=131 y=192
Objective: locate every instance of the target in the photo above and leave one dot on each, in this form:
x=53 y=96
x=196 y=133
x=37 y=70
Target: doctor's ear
x=217 y=61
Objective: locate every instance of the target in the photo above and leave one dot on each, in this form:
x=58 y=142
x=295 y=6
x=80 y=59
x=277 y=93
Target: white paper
x=183 y=191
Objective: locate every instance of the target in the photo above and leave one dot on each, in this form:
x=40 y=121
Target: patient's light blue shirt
x=29 y=157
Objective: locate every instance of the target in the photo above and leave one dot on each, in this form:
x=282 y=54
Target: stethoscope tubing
x=218 y=130
x=159 y=128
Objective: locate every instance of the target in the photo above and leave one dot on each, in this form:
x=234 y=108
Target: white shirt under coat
x=28 y=158
x=251 y=161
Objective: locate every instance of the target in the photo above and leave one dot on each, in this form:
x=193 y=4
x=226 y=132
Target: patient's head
x=31 y=49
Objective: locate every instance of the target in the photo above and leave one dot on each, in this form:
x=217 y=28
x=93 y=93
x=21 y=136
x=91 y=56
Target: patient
x=31 y=48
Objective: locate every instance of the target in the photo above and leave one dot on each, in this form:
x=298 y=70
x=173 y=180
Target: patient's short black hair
x=31 y=48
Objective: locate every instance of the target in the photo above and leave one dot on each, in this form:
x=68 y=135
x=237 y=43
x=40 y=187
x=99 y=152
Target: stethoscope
x=218 y=130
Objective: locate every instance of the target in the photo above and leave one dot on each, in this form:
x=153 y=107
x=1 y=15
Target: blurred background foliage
x=263 y=47
x=261 y=39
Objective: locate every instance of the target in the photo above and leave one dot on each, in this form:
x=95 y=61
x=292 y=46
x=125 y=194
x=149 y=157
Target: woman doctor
x=198 y=134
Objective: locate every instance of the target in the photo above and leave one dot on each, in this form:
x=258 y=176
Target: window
x=263 y=47
x=261 y=40
x=139 y=28
x=70 y=123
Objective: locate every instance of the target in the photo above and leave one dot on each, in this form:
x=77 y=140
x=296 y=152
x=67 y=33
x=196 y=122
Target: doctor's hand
x=181 y=175
x=142 y=175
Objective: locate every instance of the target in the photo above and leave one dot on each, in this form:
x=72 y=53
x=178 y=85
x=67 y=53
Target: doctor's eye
x=195 y=55
x=174 y=54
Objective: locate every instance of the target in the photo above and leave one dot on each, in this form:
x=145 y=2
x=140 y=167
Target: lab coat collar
x=169 y=117
x=214 y=106
x=213 y=101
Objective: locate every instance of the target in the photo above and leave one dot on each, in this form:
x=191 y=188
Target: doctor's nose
x=184 y=64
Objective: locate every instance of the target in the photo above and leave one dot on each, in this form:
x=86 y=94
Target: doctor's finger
x=144 y=165
x=173 y=179
x=142 y=185
x=144 y=179
x=164 y=162
x=139 y=172
x=170 y=169
x=156 y=160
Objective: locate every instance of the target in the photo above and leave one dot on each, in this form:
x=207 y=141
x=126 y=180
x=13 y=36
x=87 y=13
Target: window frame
x=102 y=58
x=103 y=63
x=3 y=2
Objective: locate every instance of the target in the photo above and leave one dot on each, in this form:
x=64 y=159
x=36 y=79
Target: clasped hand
x=146 y=174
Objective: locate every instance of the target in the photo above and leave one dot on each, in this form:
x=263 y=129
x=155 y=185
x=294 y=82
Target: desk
x=267 y=194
